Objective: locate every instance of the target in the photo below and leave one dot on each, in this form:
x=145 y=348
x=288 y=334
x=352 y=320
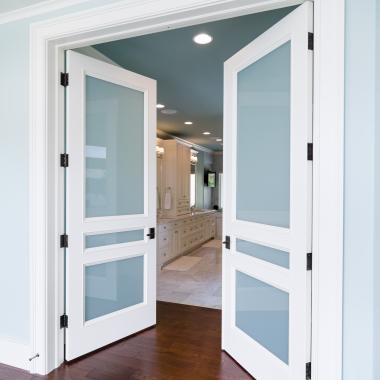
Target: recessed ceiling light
x=206 y=133
x=160 y=105
x=188 y=122
x=169 y=112
x=218 y=139
x=202 y=39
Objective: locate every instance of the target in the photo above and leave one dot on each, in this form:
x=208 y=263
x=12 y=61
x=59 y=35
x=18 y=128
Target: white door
x=110 y=204
x=267 y=207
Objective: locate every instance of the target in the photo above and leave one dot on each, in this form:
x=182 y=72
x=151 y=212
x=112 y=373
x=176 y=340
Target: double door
x=111 y=202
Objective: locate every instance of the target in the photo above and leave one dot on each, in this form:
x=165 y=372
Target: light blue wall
x=14 y=269
x=14 y=274
x=360 y=197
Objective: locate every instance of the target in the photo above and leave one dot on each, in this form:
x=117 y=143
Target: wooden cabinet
x=219 y=226
x=178 y=237
x=176 y=178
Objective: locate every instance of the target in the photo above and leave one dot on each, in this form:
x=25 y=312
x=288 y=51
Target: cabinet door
x=175 y=243
x=186 y=172
x=179 y=171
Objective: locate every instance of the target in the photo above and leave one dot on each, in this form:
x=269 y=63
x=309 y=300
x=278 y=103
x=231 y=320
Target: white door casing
x=294 y=281
x=48 y=41
x=87 y=332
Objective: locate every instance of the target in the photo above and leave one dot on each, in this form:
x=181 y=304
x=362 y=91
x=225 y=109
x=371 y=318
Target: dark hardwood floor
x=185 y=345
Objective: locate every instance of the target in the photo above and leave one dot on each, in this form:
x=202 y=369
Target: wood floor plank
x=185 y=345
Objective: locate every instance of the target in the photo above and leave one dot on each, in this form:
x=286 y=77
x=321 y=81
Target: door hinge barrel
x=64 y=241
x=309 y=264
x=310 y=41
x=64 y=321
x=64 y=160
x=308 y=371
x=227 y=242
x=64 y=79
x=310 y=152
x=152 y=233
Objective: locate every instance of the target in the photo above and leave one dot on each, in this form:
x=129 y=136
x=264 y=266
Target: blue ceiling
x=190 y=76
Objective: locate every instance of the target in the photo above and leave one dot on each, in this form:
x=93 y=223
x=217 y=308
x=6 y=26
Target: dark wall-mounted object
x=210 y=179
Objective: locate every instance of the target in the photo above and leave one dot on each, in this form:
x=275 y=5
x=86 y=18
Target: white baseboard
x=14 y=354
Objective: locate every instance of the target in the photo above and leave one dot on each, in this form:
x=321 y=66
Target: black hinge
x=64 y=241
x=64 y=160
x=308 y=371
x=310 y=41
x=64 y=79
x=310 y=151
x=64 y=321
x=152 y=233
x=309 y=261
x=227 y=242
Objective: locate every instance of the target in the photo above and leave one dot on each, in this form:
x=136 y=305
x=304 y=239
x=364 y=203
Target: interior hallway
x=185 y=345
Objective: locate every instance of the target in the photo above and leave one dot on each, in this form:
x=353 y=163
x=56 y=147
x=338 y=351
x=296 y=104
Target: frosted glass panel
x=100 y=240
x=262 y=312
x=114 y=149
x=274 y=256
x=263 y=140
x=113 y=286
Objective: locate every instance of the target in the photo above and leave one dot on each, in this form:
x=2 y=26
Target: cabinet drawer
x=164 y=254
x=163 y=239
x=162 y=228
x=185 y=231
x=184 y=245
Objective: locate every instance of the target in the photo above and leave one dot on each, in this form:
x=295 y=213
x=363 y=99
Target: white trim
x=327 y=279
x=14 y=354
x=37 y=9
x=47 y=41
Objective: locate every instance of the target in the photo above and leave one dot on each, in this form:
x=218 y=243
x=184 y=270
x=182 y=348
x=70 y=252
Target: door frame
x=123 y=19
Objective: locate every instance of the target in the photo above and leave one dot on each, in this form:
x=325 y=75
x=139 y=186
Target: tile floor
x=201 y=285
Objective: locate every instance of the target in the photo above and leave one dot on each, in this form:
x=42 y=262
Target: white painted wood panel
x=296 y=240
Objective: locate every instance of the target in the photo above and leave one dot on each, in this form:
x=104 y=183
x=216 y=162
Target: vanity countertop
x=181 y=217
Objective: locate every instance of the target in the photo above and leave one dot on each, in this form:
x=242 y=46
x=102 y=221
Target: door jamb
x=49 y=39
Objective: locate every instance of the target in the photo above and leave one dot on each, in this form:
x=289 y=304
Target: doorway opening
x=188 y=67
x=71 y=31
x=131 y=185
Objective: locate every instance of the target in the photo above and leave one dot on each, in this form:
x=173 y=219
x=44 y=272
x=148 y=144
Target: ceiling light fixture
x=206 y=133
x=202 y=39
x=188 y=122
x=160 y=105
x=218 y=139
